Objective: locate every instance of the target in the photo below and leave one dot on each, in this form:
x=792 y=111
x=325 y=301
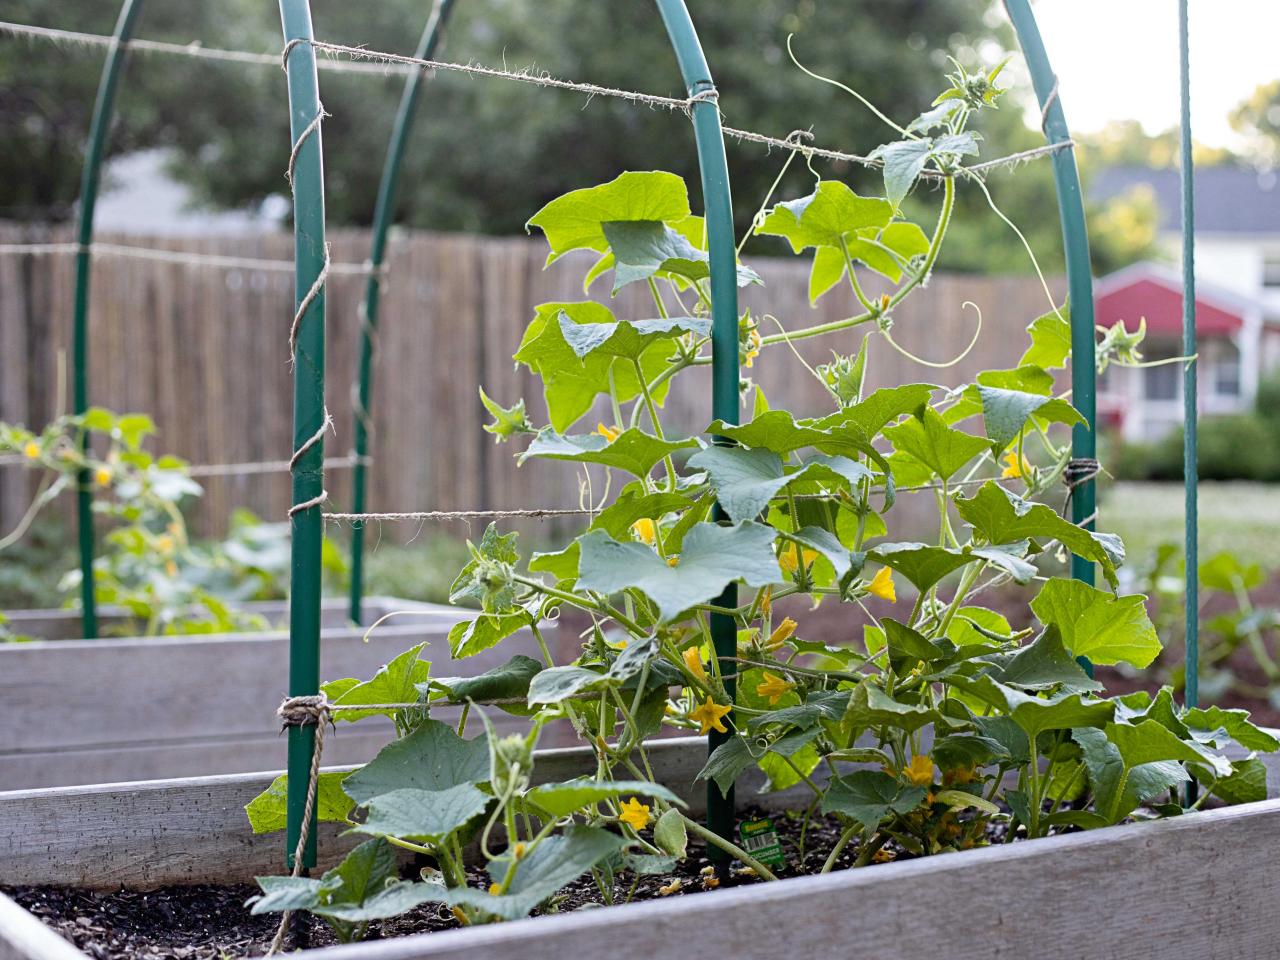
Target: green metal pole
x=1075 y=239
x=383 y=213
x=1190 y=468
x=309 y=417
x=718 y=205
x=103 y=108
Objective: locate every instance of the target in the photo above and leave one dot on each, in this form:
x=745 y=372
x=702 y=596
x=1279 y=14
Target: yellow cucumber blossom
x=495 y=889
x=881 y=585
x=710 y=716
x=919 y=772
x=635 y=814
x=781 y=634
x=766 y=601
x=752 y=350
x=609 y=433
x=1015 y=467
x=102 y=477
x=645 y=530
x=32 y=450
x=693 y=660
x=773 y=687
x=790 y=560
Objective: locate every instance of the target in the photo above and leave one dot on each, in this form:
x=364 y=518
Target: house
x=1237 y=297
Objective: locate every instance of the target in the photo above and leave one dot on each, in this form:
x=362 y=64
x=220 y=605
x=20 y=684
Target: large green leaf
x=999 y=516
x=869 y=706
x=1247 y=783
x=1044 y=664
x=575 y=220
x=503 y=682
x=1096 y=625
x=1050 y=340
x=1119 y=788
x=1035 y=714
x=560 y=683
x=905 y=160
x=469 y=637
x=553 y=863
x=825 y=217
x=572 y=382
x=746 y=480
x=870 y=246
x=711 y=558
x=1150 y=741
x=424 y=816
x=432 y=757
x=628 y=339
x=1005 y=413
x=646 y=248
x=633 y=450
x=267 y=811
x=940 y=447
x=883 y=406
x=395 y=682
x=1218 y=721
x=726 y=763
x=868 y=796
x=562 y=799
x=922 y=564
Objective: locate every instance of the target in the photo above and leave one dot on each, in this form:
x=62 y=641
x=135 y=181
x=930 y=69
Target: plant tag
x=760 y=839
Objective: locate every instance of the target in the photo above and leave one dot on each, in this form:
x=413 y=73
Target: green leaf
x=869 y=416
x=1044 y=664
x=907 y=647
x=957 y=752
x=920 y=563
x=553 y=863
x=943 y=449
x=469 y=637
x=562 y=799
x=726 y=763
x=423 y=816
x=746 y=480
x=432 y=757
x=1096 y=625
x=1150 y=741
x=510 y=680
x=973 y=624
x=869 y=706
x=634 y=451
x=1050 y=340
x=1118 y=789
x=999 y=516
x=507 y=421
x=395 y=682
x=1234 y=724
x=1034 y=714
x=572 y=382
x=1005 y=413
x=670 y=835
x=960 y=799
x=576 y=220
x=646 y=248
x=267 y=811
x=905 y=160
x=868 y=796
x=1224 y=571
x=628 y=339
x=825 y=217
x=560 y=683
x=711 y=558
x=842 y=560
x=1246 y=784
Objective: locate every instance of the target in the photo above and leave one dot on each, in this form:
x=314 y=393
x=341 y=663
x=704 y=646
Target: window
x=1271 y=271
x=1165 y=381
x=1226 y=370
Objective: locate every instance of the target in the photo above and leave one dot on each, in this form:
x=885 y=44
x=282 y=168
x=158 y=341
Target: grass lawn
x=1241 y=517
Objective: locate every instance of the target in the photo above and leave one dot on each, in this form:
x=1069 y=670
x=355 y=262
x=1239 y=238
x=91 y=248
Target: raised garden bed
x=142 y=708
x=1190 y=886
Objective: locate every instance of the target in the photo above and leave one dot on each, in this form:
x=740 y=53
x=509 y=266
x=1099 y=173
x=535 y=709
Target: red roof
x=1133 y=294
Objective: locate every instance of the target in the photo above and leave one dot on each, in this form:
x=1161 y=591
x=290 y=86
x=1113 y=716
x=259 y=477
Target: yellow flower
x=164 y=543
x=645 y=530
x=693 y=660
x=519 y=850
x=609 y=433
x=635 y=814
x=495 y=889
x=460 y=916
x=1015 y=467
x=709 y=715
x=709 y=879
x=753 y=348
x=882 y=856
x=919 y=771
x=673 y=560
x=790 y=561
x=32 y=450
x=102 y=477
x=617 y=644
x=773 y=687
x=881 y=585
x=673 y=887
x=781 y=634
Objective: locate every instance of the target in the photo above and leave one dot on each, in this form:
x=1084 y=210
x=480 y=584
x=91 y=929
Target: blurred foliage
x=1257 y=119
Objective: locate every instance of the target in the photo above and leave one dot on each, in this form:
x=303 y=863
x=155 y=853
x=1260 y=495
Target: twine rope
x=185 y=257
x=307 y=131
x=316 y=287
x=311 y=441
x=267 y=466
x=1079 y=471
x=1049 y=101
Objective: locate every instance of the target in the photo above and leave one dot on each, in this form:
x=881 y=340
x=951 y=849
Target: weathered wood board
x=116 y=710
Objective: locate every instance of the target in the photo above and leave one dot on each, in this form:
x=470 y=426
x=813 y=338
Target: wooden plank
x=24 y=937
x=150 y=834
x=1195 y=886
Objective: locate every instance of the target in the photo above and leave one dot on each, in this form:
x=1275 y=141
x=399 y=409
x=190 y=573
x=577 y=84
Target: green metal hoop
x=103 y=108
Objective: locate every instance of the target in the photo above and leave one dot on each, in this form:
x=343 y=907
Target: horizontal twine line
x=228 y=469
x=380 y=62
x=183 y=257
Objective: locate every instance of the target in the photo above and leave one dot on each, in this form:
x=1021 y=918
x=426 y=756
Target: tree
x=1258 y=120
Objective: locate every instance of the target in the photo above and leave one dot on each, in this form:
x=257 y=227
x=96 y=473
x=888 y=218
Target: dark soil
x=206 y=922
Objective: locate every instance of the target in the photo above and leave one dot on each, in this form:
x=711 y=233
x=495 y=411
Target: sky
x=1118 y=60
